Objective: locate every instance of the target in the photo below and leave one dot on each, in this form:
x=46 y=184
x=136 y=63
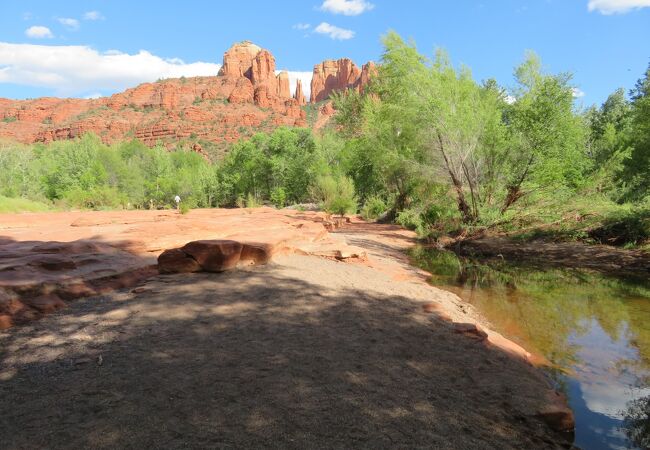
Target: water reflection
x=637 y=422
x=594 y=330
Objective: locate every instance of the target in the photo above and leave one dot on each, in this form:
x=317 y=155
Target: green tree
x=546 y=137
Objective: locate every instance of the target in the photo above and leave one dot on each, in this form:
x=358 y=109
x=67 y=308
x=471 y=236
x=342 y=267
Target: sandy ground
x=305 y=352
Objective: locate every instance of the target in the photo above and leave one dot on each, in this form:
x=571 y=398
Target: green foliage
x=252 y=201
x=85 y=173
x=17 y=205
x=425 y=145
x=374 y=207
x=635 y=175
x=278 y=197
x=184 y=208
x=427 y=136
x=336 y=194
x=285 y=159
x=9 y=119
x=411 y=219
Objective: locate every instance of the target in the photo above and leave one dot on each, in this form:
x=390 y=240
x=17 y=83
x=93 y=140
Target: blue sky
x=86 y=48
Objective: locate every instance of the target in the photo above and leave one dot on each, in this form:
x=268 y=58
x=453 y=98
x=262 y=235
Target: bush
x=373 y=208
x=278 y=197
x=252 y=202
x=240 y=202
x=336 y=194
x=627 y=229
x=411 y=219
x=184 y=208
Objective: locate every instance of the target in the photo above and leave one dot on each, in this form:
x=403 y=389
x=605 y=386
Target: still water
x=593 y=329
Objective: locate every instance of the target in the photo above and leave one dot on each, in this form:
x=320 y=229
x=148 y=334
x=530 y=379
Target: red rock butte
x=245 y=97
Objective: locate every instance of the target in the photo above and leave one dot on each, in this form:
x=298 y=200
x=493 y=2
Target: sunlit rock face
x=246 y=96
x=340 y=75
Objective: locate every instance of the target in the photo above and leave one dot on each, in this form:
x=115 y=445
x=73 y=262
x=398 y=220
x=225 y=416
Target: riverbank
x=308 y=350
x=597 y=257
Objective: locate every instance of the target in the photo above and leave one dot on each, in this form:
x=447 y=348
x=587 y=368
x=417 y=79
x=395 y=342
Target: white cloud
x=38 y=32
x=301 y=26
x=608 y=7
x=93 y=15
x=577 y=93
x=69 y=23
x=334 y=32
x=79 y=70
x=93 y=95
x=347 y=7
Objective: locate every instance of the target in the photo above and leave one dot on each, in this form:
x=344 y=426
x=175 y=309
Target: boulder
x=177 y=261
x=557 y=414
x=214 y=255
x=257 y=252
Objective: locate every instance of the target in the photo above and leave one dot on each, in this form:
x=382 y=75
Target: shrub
x=240 y=202
x=252 y=202
x=184 y=208
x=278 y=197
x=337 y=194
x=373 y=208
x=411 y=219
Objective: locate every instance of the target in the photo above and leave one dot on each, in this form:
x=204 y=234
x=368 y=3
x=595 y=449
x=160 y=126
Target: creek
x=593 y=331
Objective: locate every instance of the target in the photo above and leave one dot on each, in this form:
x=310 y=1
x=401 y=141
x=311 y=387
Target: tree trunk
x=463 y=206
x=514 y=194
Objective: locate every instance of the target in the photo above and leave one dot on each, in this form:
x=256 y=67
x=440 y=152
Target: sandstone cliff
x=338 y=75
x=245 y=97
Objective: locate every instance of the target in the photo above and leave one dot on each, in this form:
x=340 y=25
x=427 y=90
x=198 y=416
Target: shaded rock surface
x=306 y=352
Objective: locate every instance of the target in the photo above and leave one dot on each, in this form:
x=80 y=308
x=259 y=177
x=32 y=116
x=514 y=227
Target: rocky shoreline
x=378 y=324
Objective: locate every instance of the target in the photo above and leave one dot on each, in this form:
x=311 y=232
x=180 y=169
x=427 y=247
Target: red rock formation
x=338 y=75
x=237 y=61
x=299 y=96
x=243 y=92
x=262 y=68
x=247 y=93
x=283 y=89
x=368 y=71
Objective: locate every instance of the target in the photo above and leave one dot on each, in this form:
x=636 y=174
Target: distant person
x=177 y=199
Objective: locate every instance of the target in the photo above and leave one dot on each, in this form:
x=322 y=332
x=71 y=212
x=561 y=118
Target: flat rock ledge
x=49 y=259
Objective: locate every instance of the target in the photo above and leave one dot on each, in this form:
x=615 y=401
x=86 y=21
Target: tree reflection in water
x=592 y=328
x=636 y=422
